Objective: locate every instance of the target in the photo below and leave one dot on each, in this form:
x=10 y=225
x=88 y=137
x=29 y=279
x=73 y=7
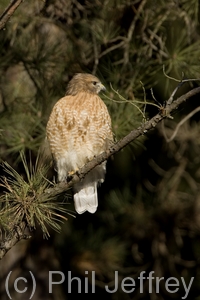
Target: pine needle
x=25 y=199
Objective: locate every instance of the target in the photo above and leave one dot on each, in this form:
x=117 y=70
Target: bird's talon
x=72 y=173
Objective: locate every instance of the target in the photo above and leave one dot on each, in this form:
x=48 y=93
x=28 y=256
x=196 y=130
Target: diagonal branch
x=9 y=11
x=16 y=235
x=134 y=134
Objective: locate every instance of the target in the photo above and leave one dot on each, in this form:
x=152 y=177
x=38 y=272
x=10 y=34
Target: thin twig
x=171 y=98
x=112 y=48
x=168 y=140
x=9 y=11
x=181 y=82
x=96 y=56
x=131 y=31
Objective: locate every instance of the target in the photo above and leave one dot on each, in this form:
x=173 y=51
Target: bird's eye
x=94 y=82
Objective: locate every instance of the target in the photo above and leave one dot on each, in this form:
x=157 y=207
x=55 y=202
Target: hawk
x=78 y=129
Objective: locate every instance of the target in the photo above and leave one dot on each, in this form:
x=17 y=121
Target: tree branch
x=134 y=134
x=9 y=11
x=16 y=235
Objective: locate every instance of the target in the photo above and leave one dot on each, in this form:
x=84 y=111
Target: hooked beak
x=101 y=87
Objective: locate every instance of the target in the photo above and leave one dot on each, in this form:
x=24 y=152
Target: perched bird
x=78 y=129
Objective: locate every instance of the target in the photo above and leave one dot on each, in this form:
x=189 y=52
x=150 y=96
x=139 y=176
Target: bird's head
x=83 y=82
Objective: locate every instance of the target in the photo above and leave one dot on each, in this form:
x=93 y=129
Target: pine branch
x=16 y=235
x=9 y=11
x=134 y=134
